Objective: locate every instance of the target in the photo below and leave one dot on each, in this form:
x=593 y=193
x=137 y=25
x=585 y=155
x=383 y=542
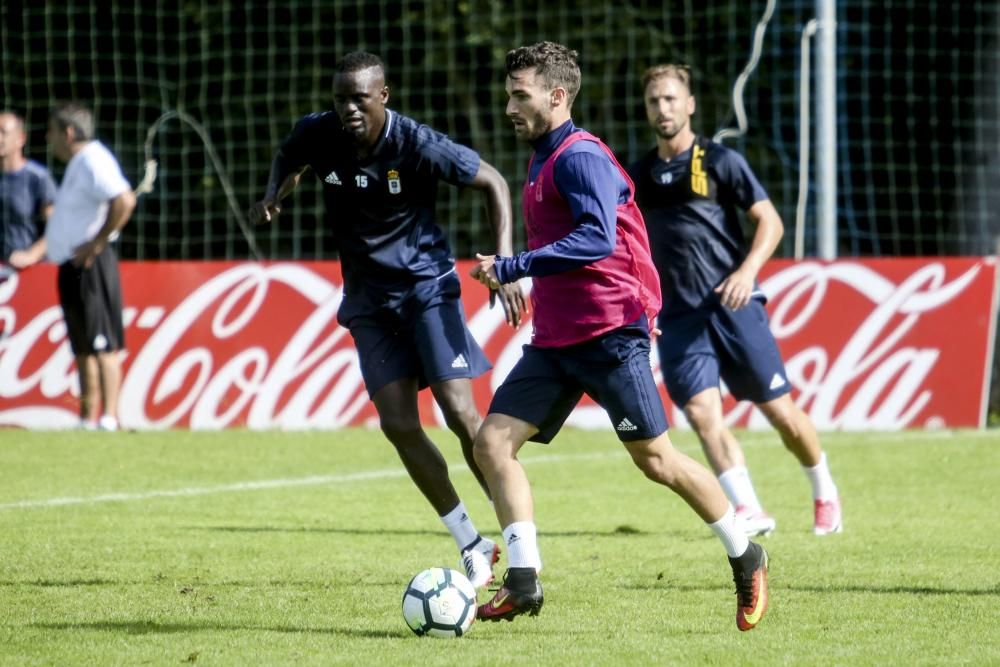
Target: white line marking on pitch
x=313 y=480
x=752 y=439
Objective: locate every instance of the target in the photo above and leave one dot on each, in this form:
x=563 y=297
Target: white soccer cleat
x=107 y=423
x=478 y=561
x=754 y=523
x=828 y=519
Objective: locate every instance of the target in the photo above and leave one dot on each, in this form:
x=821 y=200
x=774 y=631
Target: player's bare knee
x=483 y=452
x=491 y=447
x=401 y=432
x=701 y=420
x=654 y=465
x=464 y=422
x=788 y=427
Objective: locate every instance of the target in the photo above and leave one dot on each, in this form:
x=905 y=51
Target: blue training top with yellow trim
x=691 y=206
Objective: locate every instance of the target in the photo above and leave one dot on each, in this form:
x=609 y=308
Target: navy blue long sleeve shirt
x=593 y=187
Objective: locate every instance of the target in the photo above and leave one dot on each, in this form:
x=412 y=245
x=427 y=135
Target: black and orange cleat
x=520 y=593
x=750 y=576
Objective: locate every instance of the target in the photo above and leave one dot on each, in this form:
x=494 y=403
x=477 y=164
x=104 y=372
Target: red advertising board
x=869 y=344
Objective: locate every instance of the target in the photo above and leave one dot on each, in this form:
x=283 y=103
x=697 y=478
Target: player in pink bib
x=583 y=302
x=595 y=294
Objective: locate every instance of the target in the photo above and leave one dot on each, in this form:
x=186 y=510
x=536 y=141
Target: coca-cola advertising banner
x=868 y=344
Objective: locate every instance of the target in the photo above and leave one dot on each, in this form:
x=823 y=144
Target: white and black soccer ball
x=439 y=602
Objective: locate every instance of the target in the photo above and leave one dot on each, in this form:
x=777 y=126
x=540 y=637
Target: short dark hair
x=677 y=71
x=75 y=115
x=357 y=61
x=555 y=63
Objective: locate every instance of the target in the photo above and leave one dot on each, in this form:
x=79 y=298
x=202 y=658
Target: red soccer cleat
x=520 y=593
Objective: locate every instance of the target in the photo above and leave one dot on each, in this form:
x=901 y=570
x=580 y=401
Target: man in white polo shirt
x=93 y=203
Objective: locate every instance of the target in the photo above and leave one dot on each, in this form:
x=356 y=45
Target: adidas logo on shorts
x=625 y=425
x=460 y=362
x=777 y=381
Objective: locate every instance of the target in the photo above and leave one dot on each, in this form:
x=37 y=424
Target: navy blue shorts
x=613 y=369
x=698 y=349
x=425 y=337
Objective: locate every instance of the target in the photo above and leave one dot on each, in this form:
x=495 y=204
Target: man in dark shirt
x=595 y=296
x=401 y=301
x=27 y=193
x=713 y=320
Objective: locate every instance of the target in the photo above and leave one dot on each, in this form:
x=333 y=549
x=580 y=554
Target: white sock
x=821 y=480
x=733 y=539
x=739 y=489
x=522 y=545
x=460 y=525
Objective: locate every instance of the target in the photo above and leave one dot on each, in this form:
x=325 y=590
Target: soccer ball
x=439 y=602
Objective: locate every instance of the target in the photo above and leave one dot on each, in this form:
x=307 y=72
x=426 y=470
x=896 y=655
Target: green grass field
x=240 y=548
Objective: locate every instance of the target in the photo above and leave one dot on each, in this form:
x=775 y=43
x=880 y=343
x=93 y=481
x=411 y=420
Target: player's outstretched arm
x=498 y=209
x=282 y=180
x=735 y=291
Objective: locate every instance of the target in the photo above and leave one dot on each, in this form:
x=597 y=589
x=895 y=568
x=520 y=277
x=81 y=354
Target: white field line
x=264 y=484
x=749 y=439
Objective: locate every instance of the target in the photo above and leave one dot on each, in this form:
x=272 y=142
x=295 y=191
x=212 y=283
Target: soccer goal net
x=208 y=90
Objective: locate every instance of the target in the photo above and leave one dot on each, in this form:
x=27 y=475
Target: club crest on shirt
x=395 y=187
x=666 y=177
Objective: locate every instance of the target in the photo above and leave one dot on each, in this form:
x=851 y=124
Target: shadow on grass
x=619 y=531
x=190 y=585
x=318 y=530
x=894 y=590
x=60 y=583
x=156 y=628
x=882 y=590
x=664 y=586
